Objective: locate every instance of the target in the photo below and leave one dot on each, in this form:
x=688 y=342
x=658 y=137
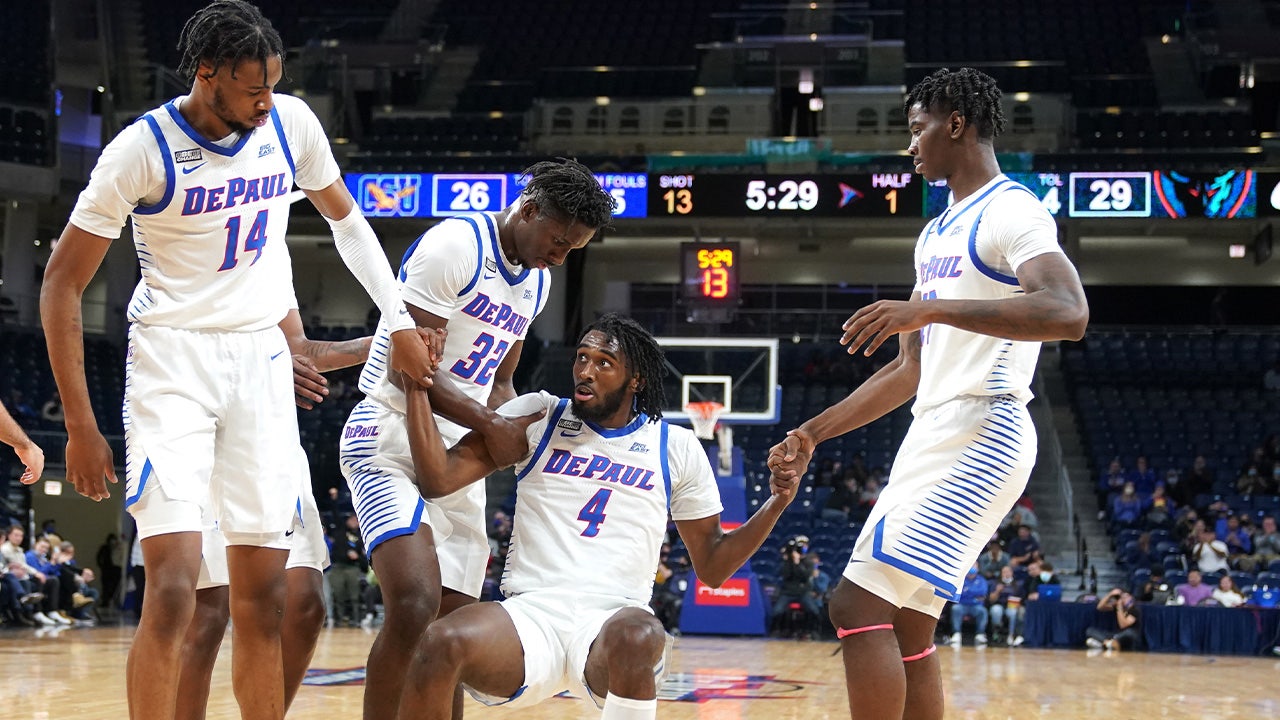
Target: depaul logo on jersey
x=237 y=191
x=186 y=156
x=563 y=462
x=940 y=267
x=389 y=195
x=499 y=315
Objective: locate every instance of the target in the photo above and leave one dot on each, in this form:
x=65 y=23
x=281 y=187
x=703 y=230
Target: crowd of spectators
x=1204 y=547
x=42 y=584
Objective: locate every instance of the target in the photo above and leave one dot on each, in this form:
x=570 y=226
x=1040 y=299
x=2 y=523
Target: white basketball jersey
x=456 y=270
x=972 y=252
x=592 y=502
x=208 y=218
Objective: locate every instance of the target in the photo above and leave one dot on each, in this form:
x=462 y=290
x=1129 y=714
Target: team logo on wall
x=389 y=195
x=1230 y=194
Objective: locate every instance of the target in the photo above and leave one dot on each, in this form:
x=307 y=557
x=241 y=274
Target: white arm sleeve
x=360 y=251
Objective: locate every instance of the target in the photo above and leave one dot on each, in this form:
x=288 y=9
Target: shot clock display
x=709 y=273
x=830 y=196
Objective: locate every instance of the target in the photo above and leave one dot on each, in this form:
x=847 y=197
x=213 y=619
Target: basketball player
x=208 y=416
x=304 y=611
x=483 y=277
x=29 y=453
x=991 y=285
x=594 y=493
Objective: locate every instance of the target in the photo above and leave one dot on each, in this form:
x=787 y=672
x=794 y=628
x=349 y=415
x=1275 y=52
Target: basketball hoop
x=704 y=416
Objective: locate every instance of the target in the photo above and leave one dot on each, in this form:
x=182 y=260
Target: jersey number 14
x=253 y=241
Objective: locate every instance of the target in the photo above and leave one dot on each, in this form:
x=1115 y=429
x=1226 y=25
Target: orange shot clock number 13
x=710 y=272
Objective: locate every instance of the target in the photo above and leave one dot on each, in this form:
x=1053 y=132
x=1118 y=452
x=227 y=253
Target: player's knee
x=170 y=599
x=446 y=647
x=410 y=611
x=638 y=638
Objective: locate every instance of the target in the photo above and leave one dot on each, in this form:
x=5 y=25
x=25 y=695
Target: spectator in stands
x=1126 y=508
x=991 y=562
x=71 y=582
x=1006 y=600
x=21 y=409
x=1024 y=548
x=1193 y=591
x=871 y=492
x=843 y=499
x=1018 y=515
x=1252 y=481
x=1159 y=510
x=1143 y=476
x=1187 y=530
x=1155 y=590
x=499 y=534
x=1197 y=480
x=348 y=565
x=1143 y=554
x=110 y=560
x=794 y=585
x=972 y=604
x=1238 y=536
x=51 y=411
x=1266 y=547
x=16 y=604
x=1227 y=594
x=38 y=557
x=1111 y=483
x=1209 y=553
x=1128 y=614
x=1040 y=573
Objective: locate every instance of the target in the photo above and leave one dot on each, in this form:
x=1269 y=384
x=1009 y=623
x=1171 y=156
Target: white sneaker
x=44 y=619
x=1017 y=641
x=980 y=638
x=367 y=622
x=1093 y=642
x=61 y=618
x=955 y=640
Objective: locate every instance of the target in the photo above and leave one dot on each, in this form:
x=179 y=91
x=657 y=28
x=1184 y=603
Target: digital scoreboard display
x=709 y=273
x=1049 y=188
x=448 y=194
x=821 y=196
x=1268 y=204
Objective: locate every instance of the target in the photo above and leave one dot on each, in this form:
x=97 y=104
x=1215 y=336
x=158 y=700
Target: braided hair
x=566 y=190
x=643 y=357
x=969 y=92
x=227 y=31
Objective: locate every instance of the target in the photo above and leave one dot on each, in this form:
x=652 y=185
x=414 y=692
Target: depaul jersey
x=209 y=218
x=456 y=270
x=973 y=251
x=592 y=503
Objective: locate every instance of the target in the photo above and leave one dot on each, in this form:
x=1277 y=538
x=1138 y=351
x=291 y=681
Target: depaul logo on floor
x=676 y=687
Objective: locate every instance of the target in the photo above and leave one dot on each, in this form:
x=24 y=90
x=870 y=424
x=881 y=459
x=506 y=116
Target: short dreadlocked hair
x=227 y=32
x=567 y=190
x=969 y=92
x=644 y=358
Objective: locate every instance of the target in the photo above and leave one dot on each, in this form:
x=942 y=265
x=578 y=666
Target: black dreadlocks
x=643 y=357
x=227 y=31
x=565 y=189
x=969 y=92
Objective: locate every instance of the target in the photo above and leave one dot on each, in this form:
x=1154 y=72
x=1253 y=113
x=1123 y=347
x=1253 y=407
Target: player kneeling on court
x=593 y=496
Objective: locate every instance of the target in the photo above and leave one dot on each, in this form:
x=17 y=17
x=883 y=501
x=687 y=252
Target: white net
x=704 y=416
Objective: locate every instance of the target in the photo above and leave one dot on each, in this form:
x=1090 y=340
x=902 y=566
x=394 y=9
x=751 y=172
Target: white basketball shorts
x=306 y=540
x=960 y=469
x=556 y=630
x=379 y=469
x=209 y=418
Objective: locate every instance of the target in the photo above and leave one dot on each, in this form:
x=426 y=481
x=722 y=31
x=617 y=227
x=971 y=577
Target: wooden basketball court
x=79 y=674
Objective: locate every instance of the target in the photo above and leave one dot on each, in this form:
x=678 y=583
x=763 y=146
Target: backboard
x=739 y=373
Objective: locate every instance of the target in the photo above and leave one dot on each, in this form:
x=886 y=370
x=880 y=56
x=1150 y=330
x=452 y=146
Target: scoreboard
x=1232 y=193
x=448 y=194
x=709 y=273
x=696 y=195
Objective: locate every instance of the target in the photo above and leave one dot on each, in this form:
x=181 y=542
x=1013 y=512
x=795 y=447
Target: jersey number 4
x=254 y=240
x=593 y=512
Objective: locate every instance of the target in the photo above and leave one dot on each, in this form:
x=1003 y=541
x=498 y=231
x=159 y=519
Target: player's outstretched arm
x=358 y=245
x=29 y=453
x=439 y=471
x=890 y=387
x=72 y=265
x=716 y=554
x=324 y=355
